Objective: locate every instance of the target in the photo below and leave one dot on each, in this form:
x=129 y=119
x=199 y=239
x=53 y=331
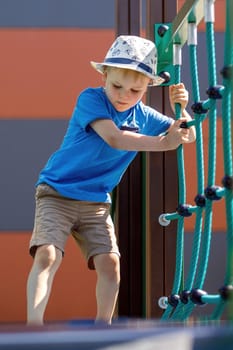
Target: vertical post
x=129 y=195
x=128 y=17
x=162 y=191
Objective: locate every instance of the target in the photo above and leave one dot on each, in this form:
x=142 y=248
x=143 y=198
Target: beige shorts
x=56 y=217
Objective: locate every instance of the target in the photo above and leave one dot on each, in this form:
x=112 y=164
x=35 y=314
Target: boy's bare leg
x=46 y=262
x=107 y=287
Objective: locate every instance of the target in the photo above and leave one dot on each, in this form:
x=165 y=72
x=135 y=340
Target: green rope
x=182 y=197
x=227 y=152
x=202 y=240
x=227 y=138
x=211 y=163
x=181 y=311
x=207 y=234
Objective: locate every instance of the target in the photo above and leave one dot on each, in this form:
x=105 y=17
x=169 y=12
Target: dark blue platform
x=130 y=335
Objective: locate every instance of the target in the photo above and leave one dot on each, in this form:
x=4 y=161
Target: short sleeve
x=156 y=123
x=91 y=105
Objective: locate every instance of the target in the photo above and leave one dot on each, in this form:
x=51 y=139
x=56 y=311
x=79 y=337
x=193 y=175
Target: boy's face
x=124 y=87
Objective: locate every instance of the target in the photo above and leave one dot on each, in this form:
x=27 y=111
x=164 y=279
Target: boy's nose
x=124 y=93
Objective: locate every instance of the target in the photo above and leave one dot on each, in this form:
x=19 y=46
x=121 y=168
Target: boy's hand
x=178 y=94
x=177 y=135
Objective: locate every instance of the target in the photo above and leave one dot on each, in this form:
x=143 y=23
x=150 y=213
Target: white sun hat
x=135 y=53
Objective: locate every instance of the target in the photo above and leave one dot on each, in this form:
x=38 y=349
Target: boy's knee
x=47 y=256
x=108 y=265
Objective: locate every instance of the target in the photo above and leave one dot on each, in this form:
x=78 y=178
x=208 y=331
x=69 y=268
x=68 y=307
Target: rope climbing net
x=187 y=294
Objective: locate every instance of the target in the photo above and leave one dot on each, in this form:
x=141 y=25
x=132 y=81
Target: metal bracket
x=167 y=34
x=162 y=34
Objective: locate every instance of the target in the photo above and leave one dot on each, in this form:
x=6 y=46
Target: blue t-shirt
x=85 y=167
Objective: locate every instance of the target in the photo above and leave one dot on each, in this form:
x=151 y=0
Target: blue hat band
x=129 y=61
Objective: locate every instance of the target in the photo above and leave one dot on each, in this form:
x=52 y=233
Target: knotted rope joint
x=211 y=193
x=173 y=300
x=226 y=292
x=200 y=200
x=215 y=92
x=227 y=182
x=198 y=108
x=184 y=296
x=183 y=210
x=227 y=72
x=196 y=296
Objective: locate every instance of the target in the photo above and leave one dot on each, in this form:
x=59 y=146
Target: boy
x=108 y=126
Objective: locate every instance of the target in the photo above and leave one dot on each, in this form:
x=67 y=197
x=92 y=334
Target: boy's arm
x=130 y=141
x=126 y=140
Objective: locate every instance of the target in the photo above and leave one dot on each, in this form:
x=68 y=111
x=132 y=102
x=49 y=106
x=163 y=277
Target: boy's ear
x=104 y=77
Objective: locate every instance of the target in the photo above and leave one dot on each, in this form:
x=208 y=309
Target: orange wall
x=43 y=71
x=73 y=295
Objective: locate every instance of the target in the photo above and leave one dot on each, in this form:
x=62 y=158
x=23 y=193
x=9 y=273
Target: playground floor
x=125 y=334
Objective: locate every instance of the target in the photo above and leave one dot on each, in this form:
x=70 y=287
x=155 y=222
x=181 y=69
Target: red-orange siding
x=43 y=71
x=73 y=295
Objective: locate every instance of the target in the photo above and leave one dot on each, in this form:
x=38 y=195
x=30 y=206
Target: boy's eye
x=119 y=87
x=116 y=86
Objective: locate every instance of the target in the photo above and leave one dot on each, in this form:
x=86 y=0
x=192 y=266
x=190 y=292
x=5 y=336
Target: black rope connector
x=200 y=200
x=227 y=182
x=173 y=300
x=196 y=295
x=183 y=210
x=211 y=193
x=184 y=125
x=162 y=29
x=227 y=72
x=226 y=292
x=165 y=75
x=198 y=108
x=214 y=92
x=184 y=296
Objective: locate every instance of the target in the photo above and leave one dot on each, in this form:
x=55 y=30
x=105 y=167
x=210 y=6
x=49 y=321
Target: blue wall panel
x=25 y=146
x=57 y=13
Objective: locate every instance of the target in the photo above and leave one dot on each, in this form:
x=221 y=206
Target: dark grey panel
x=25 y=146
x=57 y=13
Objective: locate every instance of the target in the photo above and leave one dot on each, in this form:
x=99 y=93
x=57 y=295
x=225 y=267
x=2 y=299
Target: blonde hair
x=125 y=71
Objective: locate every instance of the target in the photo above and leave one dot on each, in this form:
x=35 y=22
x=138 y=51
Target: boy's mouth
x=122 y=103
